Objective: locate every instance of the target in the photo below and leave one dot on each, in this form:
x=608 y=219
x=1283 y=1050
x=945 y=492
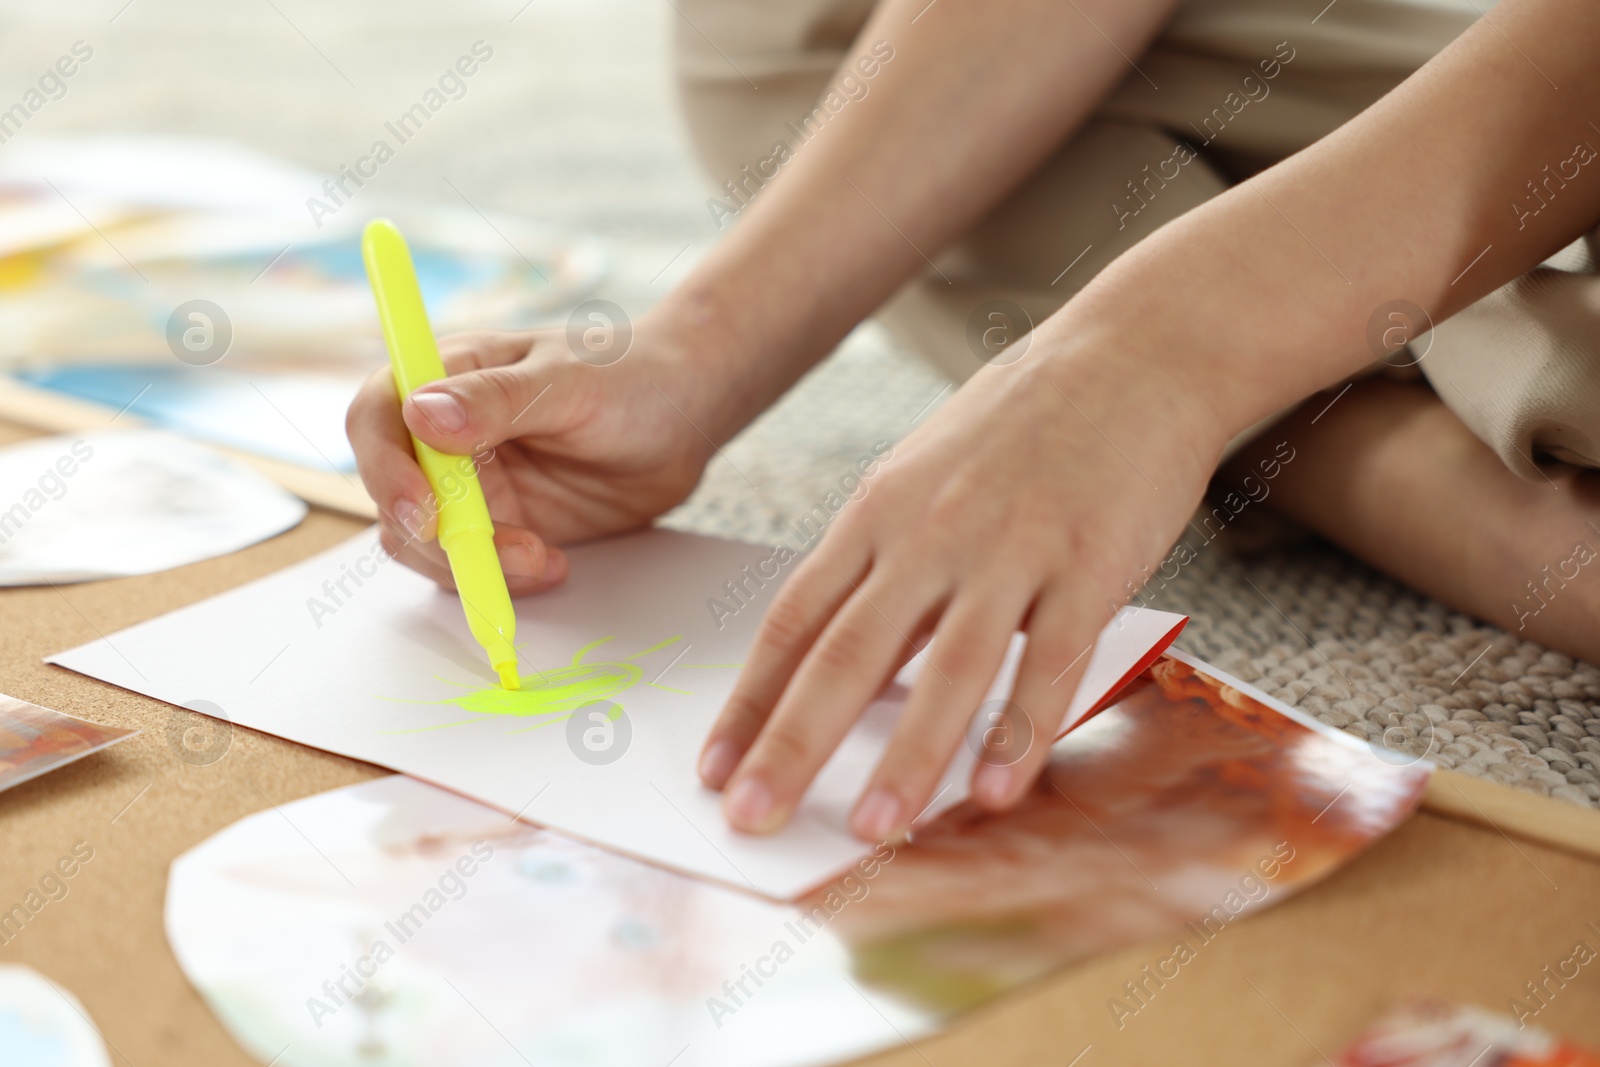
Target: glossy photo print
x=1431 y=1033
x=1166 y=818
x=34 y=740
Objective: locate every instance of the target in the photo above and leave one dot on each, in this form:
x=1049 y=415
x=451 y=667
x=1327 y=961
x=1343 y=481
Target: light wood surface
x=1515 y=812
x=1442 y=906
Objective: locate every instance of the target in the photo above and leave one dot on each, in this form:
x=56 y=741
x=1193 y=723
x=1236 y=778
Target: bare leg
x=1389 y=473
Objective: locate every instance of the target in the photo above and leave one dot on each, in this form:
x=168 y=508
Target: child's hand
x=1027 y=502
x=564 y=450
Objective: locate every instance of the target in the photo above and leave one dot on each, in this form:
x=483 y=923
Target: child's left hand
x=1029 y=501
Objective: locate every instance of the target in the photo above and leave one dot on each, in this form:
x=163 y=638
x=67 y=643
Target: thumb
x=481 y=408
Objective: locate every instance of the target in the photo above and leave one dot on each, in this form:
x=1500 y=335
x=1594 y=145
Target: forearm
x=1264 y=295
x=976 y=96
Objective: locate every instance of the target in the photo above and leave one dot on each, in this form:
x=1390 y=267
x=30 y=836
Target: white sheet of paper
x=353 y=653
x=80 y=507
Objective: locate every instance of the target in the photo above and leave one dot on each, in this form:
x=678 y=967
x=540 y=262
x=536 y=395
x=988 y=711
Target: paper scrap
x=43 y=1025
x=201 y=217
x=34 y=740
x=108 y=504
x=277 y=413
x=1434 y=1033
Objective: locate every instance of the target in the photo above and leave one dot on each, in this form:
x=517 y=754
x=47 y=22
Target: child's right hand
x=564 y=450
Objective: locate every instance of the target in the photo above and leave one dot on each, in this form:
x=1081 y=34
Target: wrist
x=1176 y=344
x=734 y=338
x=1111 y=372
x=701 y=361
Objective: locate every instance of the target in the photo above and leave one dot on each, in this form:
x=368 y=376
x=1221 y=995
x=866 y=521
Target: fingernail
x=443 y=411
x=518 y=560
x=718 y=762
x=993 y=784
x=748 y=805
x=412 y=519
x=878 y=816
x=555 y=565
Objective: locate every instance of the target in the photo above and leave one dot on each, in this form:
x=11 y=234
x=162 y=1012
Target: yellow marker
x=465 y=531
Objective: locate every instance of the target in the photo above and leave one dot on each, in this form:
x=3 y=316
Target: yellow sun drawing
x=553 y=695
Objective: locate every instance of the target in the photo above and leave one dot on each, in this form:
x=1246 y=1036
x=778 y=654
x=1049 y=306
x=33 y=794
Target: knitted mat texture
x=1304 y=622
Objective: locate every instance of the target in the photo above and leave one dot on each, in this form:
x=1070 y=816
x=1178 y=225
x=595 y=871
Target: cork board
x=1442 y=906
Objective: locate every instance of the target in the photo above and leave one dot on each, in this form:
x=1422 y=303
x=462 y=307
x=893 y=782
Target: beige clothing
x=1244 y=83
x=1521 y=367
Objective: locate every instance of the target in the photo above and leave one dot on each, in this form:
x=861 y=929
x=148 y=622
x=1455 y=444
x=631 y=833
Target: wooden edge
x=46 y=410
x=1514 y=811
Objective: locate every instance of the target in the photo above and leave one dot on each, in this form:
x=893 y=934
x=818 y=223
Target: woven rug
x=1305 y=622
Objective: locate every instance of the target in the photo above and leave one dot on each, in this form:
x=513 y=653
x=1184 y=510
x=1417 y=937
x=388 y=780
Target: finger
x=427 y=559
x=803 y=606
x=468 y=412
x=477 y=349
x=382 y=441
x=529 y=564
x=385 y=460
x=967 y=651
x=407 y=505
x=1060 y=633
x=846 y=667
